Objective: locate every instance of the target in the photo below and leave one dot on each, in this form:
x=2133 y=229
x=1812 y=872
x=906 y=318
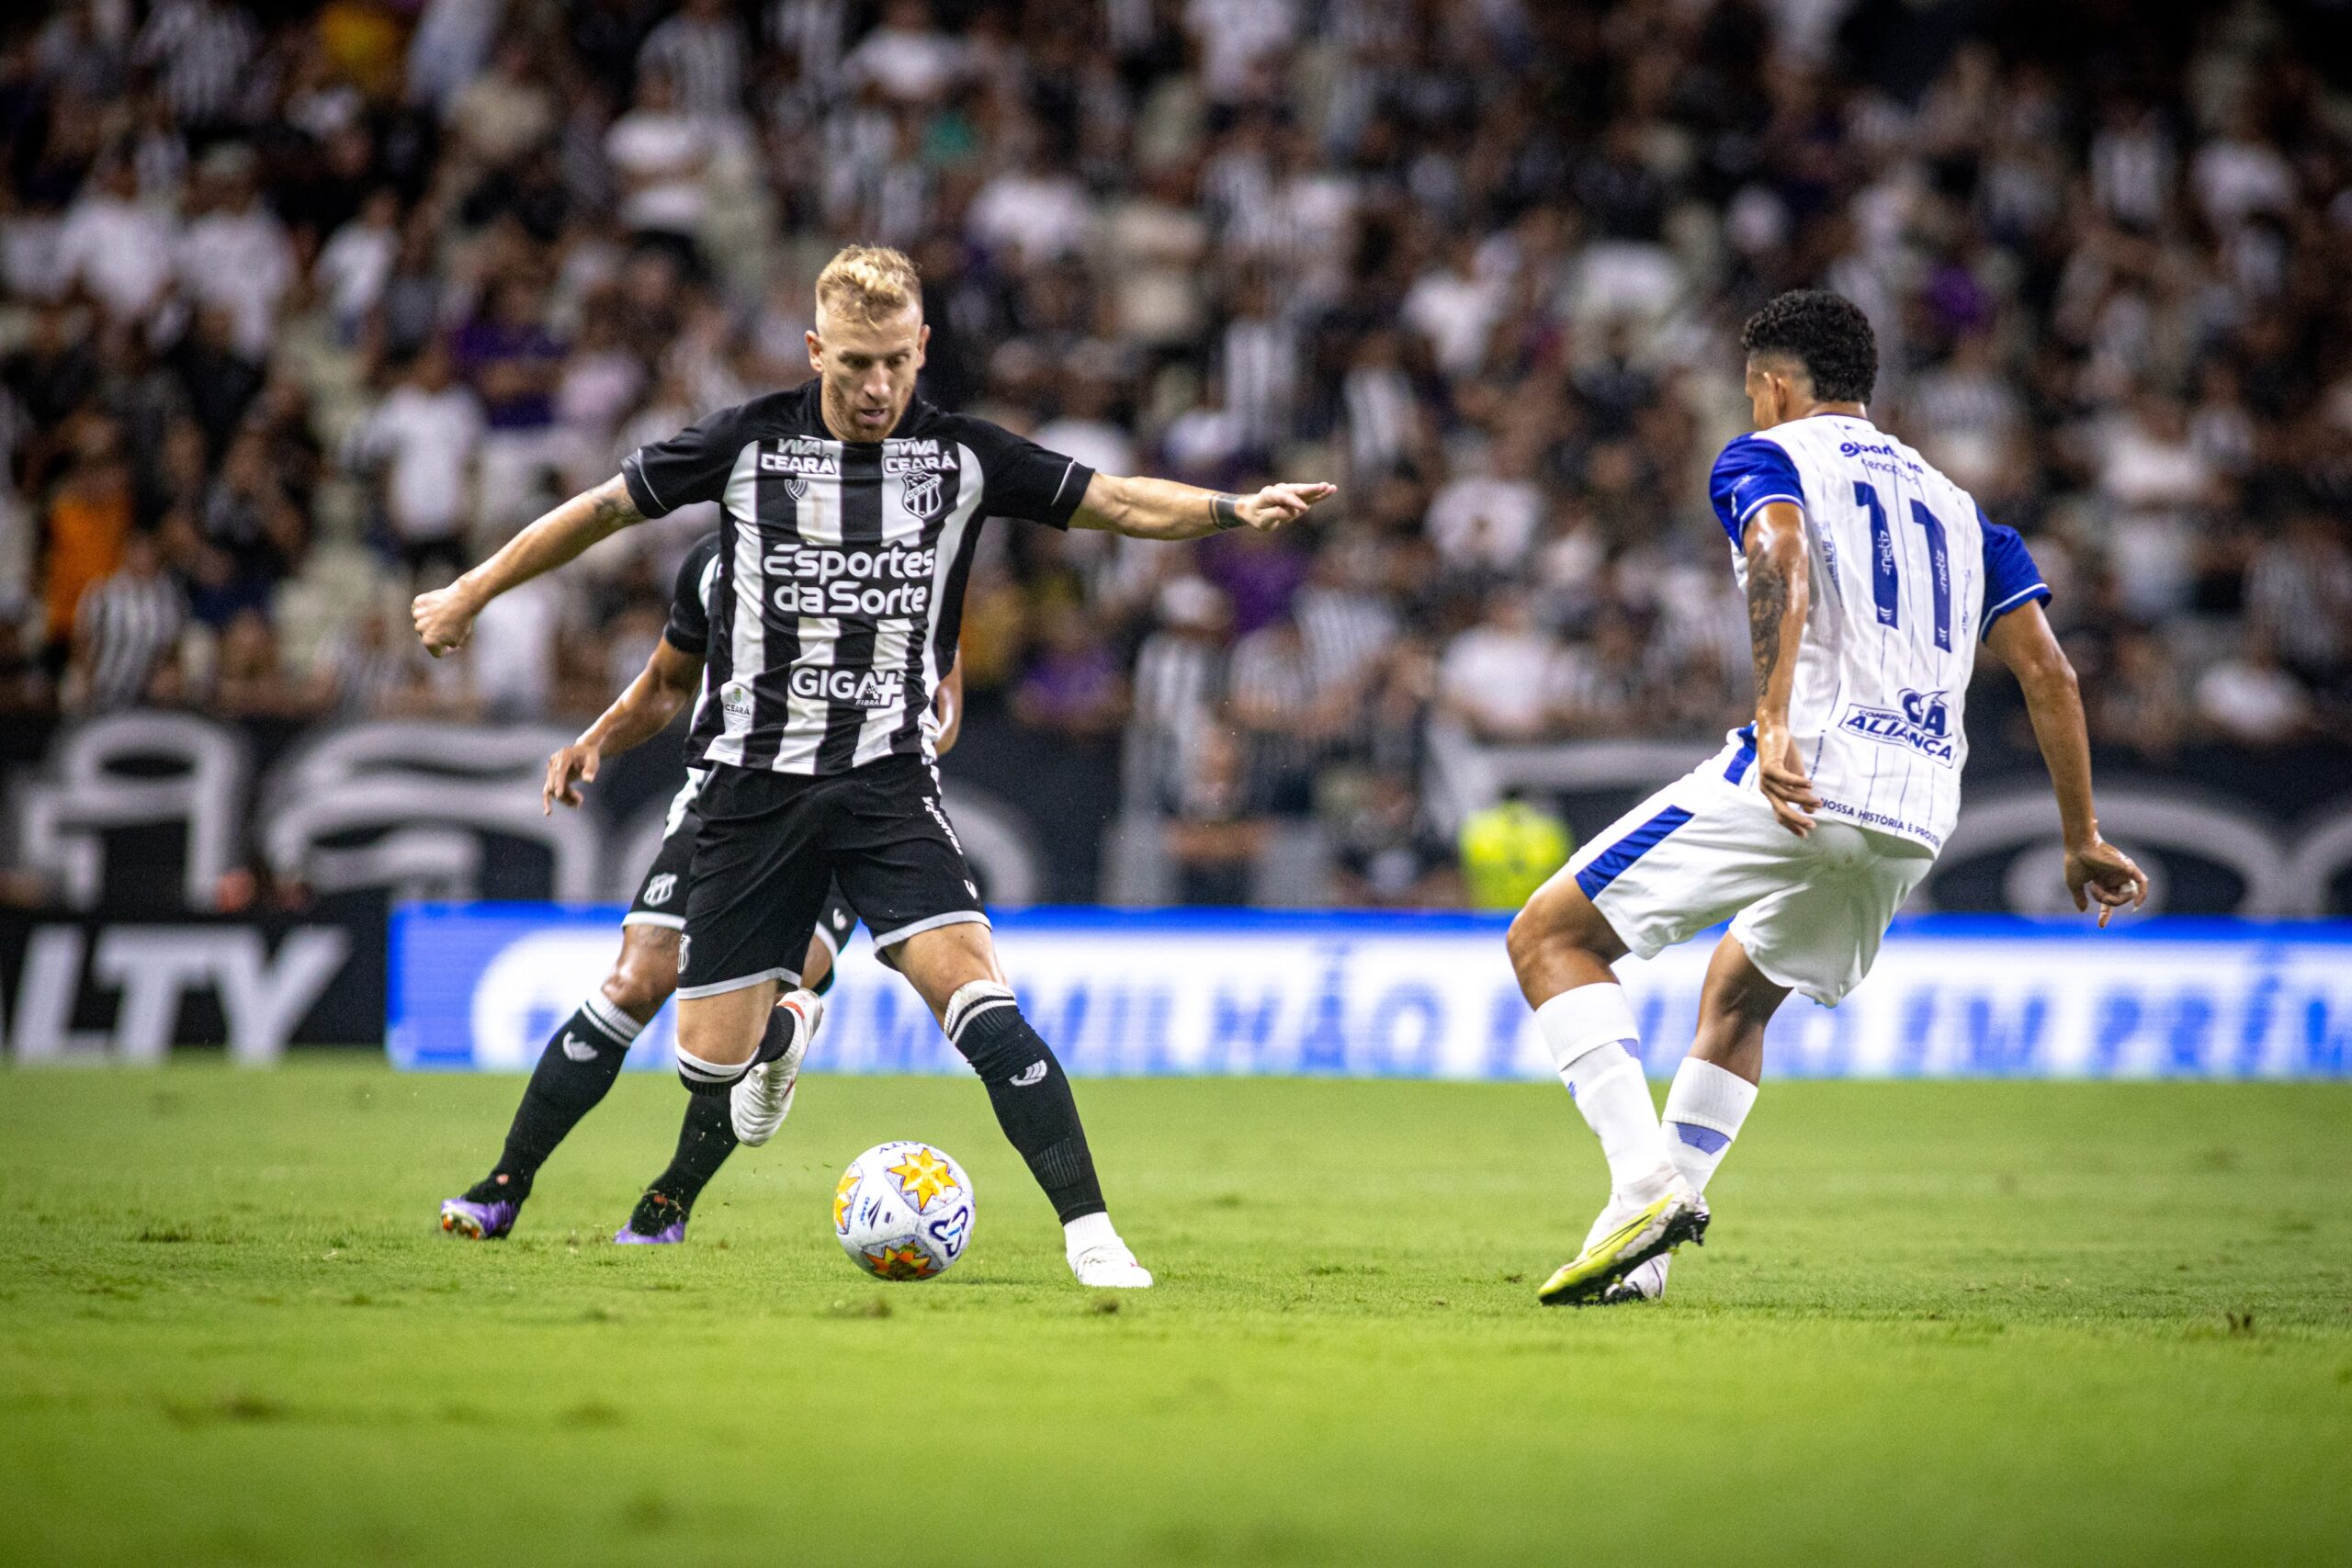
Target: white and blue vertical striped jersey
x=1908 y=574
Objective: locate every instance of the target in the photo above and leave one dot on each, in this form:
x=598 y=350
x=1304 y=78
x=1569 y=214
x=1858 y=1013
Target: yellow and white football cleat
x=1649 y=1231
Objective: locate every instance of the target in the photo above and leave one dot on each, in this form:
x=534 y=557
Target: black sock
x=713 y=1081
x=705 y=1140
x=581 y=1059
x=782 y=1023
x=1030 y=1094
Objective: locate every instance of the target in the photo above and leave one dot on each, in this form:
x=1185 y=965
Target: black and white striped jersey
x=840 y=567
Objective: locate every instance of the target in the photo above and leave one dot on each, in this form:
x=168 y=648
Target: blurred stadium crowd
x=310 y=305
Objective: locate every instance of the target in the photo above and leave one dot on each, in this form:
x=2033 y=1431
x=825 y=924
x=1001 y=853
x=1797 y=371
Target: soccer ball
x=903 y=1210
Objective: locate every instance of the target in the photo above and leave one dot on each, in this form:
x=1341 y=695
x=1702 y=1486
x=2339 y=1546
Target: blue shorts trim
x=1611 y=863
x=1745 y=755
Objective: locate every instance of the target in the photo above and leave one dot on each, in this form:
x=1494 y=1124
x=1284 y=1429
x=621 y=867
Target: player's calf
x=720 y=1035
x=575 y=1071
x=1034 y=1106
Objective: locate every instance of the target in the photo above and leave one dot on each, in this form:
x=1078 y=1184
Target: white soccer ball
x=903 y=1210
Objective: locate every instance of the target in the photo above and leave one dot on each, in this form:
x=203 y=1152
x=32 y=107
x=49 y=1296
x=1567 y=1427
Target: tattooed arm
x=1780 y=595
x=446 y=618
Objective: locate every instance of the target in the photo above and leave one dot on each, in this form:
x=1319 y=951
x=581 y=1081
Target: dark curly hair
x=1827 y=334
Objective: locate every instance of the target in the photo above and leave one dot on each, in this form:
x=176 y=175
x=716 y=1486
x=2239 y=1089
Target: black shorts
x=770 y=845
x=661 y=898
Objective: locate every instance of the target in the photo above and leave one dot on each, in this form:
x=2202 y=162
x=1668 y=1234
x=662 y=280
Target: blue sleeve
x=1750 y=472
x=2010 y=576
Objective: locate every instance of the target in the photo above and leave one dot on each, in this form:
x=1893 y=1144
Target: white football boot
x=1627 y=1233
x=1110 y=1265
x=762 y=1097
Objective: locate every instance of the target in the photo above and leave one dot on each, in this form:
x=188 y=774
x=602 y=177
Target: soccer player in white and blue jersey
x=1870 y=578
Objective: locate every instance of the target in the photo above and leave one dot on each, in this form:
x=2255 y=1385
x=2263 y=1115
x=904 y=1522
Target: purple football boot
x=657 y=1222
x=479 y=1221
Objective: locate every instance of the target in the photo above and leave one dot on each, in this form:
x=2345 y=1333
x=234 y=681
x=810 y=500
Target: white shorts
x=1810 y=913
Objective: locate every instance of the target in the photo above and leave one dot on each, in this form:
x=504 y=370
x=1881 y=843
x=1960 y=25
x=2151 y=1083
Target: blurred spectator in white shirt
x=1496 y=678
x=2154 y=478
x=905 y=58
x=1455 y=307
x=117 y=247
x=235 y=255
x=2249 y=699
x=356 y=263
x=1488 y=522
x=423 y=439
x=1032 y=213
x=660 y=154
x=507 y=110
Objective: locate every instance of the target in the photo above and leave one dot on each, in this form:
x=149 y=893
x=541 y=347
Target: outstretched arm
x=1163 y=509
x=2095 y=870
x=445 y=618
x=637 y=715
x=1780 y=596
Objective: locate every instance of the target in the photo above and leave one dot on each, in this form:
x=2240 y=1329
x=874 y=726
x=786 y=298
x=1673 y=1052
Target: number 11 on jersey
x=1885 y=590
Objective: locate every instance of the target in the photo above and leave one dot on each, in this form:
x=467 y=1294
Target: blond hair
x=868 y=283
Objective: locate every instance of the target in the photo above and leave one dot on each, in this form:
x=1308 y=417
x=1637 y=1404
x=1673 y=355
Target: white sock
x=1588 y=1029
x=1088 y=1231
x=1703 y=1113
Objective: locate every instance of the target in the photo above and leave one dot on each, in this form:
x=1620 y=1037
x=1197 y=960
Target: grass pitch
x=1938 y=1322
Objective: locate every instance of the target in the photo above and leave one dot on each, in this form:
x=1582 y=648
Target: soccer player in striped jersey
x=850 y=508
x=585 y=1054
x=1870 y=578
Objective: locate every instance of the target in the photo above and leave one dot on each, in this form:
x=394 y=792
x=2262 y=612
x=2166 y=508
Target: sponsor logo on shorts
x=658 y=891
x=1923 y=726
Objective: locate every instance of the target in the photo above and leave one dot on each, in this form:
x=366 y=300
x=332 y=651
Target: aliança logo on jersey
x=857 y=688
x=1923 y=724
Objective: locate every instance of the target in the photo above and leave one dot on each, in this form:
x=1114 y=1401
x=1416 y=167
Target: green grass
x=1988 y=1323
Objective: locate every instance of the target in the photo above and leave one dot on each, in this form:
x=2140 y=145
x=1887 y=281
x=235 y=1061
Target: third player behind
x=1870 y=580
x=849 y=510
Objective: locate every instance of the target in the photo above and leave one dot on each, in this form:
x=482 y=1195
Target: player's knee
x=642 y=981
x=1553 y=927
x=1530 y=933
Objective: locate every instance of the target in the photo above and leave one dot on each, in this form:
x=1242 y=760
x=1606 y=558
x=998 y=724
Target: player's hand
x=2101 y=873
x=1780 y=776
x=444 y=618
x=1279 y=503
x=574 y=765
